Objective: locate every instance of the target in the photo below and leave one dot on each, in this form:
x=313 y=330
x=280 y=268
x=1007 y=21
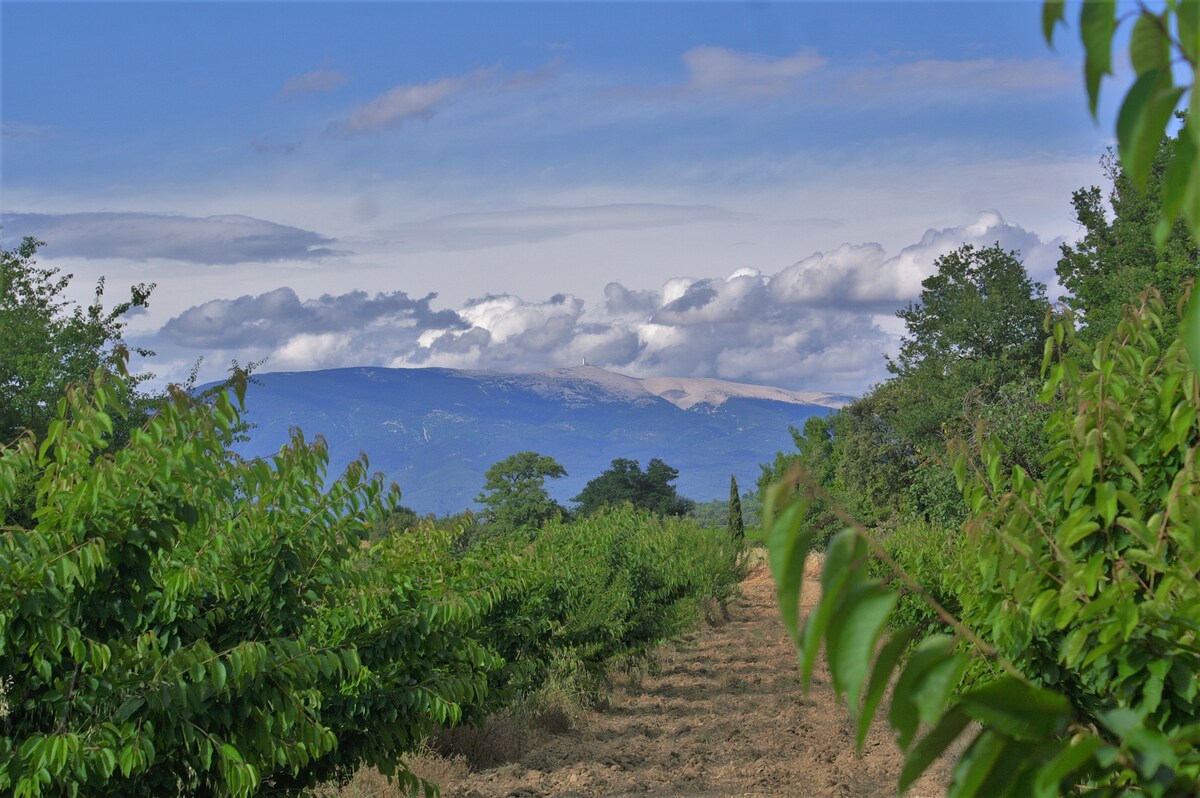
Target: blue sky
x=746 y=191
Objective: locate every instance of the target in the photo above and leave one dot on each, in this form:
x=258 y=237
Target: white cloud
x=307 y=351
x=717 y=69
x=401 y=104
x=224 y=239
x=409 y=102
x=276 y=318
x=863 y=275
x=823 y=323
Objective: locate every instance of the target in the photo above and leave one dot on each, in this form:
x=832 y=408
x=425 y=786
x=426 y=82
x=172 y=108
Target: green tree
x=737 y=525
x=624 y=481
x=50 y=342
x=1117 y=256
x=515 y=493
x=978 y=322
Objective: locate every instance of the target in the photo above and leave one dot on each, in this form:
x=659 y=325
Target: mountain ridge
x=435 y=431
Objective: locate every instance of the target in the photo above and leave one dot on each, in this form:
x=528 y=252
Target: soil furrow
x=723 y=716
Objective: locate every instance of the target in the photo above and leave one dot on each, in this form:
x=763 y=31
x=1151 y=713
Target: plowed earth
x=724 y=717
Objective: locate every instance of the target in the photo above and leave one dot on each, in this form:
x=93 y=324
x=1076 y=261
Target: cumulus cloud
x=319 y=80
x=143 y=236
x=864 y=277
x=278 y=318
x=822 y=323
x=717 y=69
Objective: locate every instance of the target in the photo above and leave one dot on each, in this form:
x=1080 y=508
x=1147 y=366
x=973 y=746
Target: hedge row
x=180 y=621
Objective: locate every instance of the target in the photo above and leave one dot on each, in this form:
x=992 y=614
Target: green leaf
x=1053 y=13
x=1018 y=709
x=1070 y=760
x=1189 y=329
x=1143 y=119
x=881 y=675
x=931 y=746
x=861 y=615
x=1151 y=747
x=839 y=567
x=788 y=544
x=1180 y=192
x=906 y=710
x=1149 y=47
x=129 y=707
x=230 y=754
x=976 y=765
x=1097 y=24
x=1188 y=14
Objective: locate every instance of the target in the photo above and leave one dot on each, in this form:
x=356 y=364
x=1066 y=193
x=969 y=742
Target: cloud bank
x=822 y=323
x=144 y=236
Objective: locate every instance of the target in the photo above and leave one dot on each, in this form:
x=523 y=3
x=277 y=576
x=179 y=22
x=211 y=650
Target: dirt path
x=725 y=717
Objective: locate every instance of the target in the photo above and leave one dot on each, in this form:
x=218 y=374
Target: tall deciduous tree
x=515 y=493
x=978 y=322
x=48 y=341
x=1118 y=257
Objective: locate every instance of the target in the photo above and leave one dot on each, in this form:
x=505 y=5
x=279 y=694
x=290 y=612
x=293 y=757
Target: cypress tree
x=737 y=527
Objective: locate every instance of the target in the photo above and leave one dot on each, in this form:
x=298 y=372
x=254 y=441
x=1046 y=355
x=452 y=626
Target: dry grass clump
x=500 y=739
x=425 y=764
x=451 y=755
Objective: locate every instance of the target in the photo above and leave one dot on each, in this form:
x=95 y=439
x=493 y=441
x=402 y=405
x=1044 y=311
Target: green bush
x=179 y=621
x=1078 y=592
x=931 y=554
x=1086 y=578
x=612 y=586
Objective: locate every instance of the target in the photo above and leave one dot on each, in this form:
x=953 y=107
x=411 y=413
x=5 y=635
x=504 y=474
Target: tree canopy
x=978 y=313
x=515 y=493
x=49 y=341
x=1067 y=666
x=1117 y=255
x=624 y=481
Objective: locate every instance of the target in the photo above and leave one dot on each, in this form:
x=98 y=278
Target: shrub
x=182 y=622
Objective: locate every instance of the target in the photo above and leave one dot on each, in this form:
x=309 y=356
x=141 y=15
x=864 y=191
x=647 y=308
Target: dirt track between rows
x=724 y=717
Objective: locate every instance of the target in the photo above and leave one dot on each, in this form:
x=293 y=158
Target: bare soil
x=724 y=716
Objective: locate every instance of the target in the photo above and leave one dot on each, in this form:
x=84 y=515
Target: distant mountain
x=436 y=431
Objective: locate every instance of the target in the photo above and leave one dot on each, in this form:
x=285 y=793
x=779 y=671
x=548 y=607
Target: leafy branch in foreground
x=1164 y=45
x=1082 y=589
